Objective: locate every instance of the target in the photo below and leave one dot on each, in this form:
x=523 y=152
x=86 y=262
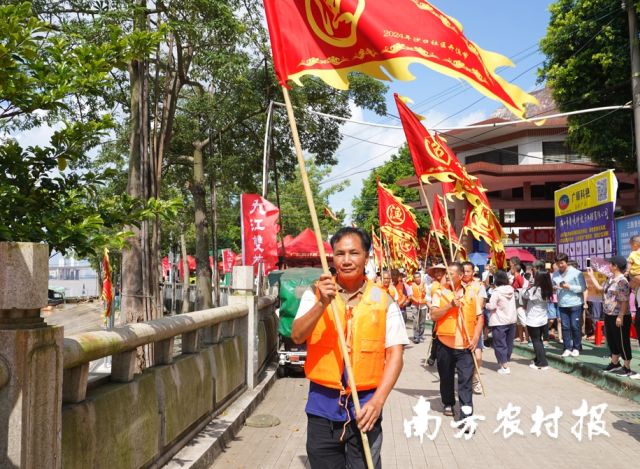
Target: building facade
x=521 y=166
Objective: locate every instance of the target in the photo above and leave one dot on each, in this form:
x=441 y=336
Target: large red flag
x=433 y=158
x=332 y=38
x=396 y=218
x=439 y=216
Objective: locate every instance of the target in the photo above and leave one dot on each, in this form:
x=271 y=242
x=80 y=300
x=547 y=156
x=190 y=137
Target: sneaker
x=545 y=345
x=624 y=372
x=504 y=371
x=635 y=376
x=575 y=353
x=611 y=368
x=530 y=344
x=477 y=387
x=421 y=339
x=533 y=366
x=448 y=411
x=566 y=353
x=543 y=367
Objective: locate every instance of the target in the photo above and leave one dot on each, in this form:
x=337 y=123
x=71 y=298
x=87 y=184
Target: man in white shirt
x=329 y=409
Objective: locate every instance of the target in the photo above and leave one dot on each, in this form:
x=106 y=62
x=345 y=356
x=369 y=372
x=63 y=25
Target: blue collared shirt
x=577 y=285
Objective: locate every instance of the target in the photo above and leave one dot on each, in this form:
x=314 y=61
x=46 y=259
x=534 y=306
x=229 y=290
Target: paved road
x=284 y=446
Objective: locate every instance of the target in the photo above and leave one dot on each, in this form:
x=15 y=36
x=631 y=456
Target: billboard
x=585 y=225
x=626 y=228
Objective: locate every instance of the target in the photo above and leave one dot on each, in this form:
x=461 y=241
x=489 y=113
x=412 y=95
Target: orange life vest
x=447 y=324
x=419 y=291
x=392 y=291
x=400 y=290
x=366 y=330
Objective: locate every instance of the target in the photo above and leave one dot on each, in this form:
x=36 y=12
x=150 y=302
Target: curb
x=210 y=442
x=624 y=387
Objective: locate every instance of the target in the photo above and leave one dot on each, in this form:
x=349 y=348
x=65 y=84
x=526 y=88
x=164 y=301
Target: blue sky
x=510 y=27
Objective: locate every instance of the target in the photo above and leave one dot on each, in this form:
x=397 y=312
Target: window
x=504 y=156
x=557 y=152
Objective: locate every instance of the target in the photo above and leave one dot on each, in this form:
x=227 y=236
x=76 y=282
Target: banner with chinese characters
x=228 y=260
x=259 y=228
x=626 y=228
x=585 y=224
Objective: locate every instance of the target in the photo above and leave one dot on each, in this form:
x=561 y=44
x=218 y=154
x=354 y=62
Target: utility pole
x=635 y=77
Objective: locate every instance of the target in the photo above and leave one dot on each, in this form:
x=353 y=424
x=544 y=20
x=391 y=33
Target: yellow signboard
x=597 y=190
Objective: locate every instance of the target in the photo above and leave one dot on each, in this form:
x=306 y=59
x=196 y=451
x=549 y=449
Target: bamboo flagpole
x=460 y=315
x=325 y=268
x=452 y=249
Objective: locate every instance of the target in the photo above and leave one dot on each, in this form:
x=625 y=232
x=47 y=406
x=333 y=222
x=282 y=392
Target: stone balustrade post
x=31 y=361
x=243 y=294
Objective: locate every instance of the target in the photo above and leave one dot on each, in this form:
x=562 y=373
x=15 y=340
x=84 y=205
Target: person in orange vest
x=375 y=335
x=386 y=285
x=419 y=303
x=456 y=348
x=402 y=297
x=481 y=292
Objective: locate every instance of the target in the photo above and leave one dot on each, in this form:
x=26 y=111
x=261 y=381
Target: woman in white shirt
x=538 y=296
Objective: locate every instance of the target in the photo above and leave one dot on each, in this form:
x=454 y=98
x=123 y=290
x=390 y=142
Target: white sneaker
x=575 y=353
x=543 y=368
x=504 y=371
x=635 y=376
x=532 y=366
x=566 y=353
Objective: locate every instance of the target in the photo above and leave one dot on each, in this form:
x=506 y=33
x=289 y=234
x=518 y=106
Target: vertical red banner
x=228 y=259
x=259 y=229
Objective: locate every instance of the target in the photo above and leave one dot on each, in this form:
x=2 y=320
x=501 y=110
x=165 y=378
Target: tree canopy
x=588 y=65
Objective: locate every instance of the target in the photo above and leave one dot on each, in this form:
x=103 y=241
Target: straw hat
x=431 y=270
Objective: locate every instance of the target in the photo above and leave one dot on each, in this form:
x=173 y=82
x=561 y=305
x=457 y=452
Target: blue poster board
x=626 y=228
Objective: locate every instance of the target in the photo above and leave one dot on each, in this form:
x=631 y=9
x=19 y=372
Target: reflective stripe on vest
x=366 y=341
x=447 y=324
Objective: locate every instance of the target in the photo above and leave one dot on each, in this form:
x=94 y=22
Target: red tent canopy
x=303 y=249
x=287 y=239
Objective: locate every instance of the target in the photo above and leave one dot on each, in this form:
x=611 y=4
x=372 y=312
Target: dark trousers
x=326 y=451
x=571 y=330
x=503 y=337
x=618 y=338
x=536 y=337
x=545 y=332
x=448 y=360
x=433 y=354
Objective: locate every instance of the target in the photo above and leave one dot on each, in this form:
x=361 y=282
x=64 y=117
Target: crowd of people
x=531 y=304
x=470 y=310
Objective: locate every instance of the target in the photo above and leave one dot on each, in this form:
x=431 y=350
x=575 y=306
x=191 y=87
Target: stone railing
x=142 y=419
x=53 y=416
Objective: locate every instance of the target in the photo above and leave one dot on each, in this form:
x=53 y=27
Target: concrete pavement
x=283 y=446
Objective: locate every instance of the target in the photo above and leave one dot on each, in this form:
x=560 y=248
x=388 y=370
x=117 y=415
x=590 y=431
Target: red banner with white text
x=228 y=260
x=259 y=228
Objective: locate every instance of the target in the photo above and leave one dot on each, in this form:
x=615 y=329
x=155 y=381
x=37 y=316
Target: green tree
x=365 y=213
x=42 y=70
x=588 y=65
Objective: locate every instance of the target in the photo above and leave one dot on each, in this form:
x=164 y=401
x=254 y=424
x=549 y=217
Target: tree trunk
x=132 y=304
x=214 y=236
x=203 y=269
x=185 y=276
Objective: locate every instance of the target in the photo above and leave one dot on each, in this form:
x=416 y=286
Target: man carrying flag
x=458 y=340
x=375 y=335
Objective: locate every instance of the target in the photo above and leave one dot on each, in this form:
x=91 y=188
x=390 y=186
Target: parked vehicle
x=293 y=283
